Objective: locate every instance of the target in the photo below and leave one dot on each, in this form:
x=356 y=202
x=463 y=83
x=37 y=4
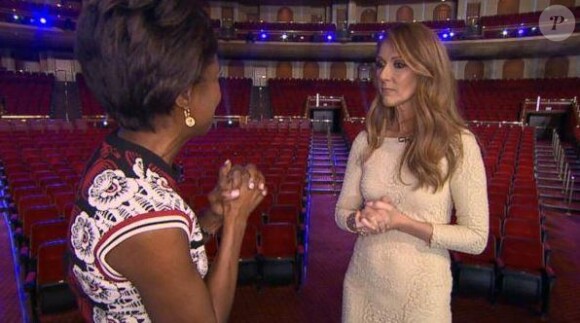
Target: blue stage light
x=445 y=36
x=451 y=34
x=263 y=35
x=329 y=37
x=504 y=32
x=284 y=36
x=521 y=31
x=15 y=17
x=43 y=20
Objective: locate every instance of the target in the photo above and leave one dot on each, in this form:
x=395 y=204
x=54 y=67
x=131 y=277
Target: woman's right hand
x=252 y=188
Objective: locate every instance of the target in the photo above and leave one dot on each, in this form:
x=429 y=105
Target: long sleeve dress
x=396 y=277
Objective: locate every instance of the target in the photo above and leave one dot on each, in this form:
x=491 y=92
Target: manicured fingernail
x=235 y=193
x=264 y=192
x=252 y=185
x=227 y=162
x=262 y=186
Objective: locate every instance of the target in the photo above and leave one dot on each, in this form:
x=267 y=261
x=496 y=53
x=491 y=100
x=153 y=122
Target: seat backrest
x=522 y=253
x=283 y=213
x=249 y=248
x=45 y=231
x=278 y=240
x=37 y=214
x=50 y=265
x=523 y=228
x=524 y=211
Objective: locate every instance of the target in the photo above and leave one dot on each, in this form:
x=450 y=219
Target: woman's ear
x=182 y=100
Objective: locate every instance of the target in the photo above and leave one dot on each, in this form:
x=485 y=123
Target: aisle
x=11 y=308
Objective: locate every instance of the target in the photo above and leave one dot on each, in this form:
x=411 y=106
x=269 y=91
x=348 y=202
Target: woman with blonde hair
x=415 y=162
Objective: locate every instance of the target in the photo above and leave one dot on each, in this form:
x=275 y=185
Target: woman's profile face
x=396 y=82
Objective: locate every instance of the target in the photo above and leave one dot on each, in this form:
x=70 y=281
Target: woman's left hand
x=226 y=189
x=380 y=216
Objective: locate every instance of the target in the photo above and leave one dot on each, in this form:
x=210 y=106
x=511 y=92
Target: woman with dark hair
x=136 y=247
x=415 y=162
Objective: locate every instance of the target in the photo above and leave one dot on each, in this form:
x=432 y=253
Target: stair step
x=572 y=208
x=558 y=194
x=324 y=188
x=322 y=172
x=320 y=163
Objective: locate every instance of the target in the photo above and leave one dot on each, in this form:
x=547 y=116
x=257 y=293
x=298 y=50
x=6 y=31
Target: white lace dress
x=395 y=277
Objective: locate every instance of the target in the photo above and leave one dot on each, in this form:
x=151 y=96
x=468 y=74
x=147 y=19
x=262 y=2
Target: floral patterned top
x=126 y=190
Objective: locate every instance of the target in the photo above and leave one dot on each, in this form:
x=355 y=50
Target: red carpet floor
x=10 y=310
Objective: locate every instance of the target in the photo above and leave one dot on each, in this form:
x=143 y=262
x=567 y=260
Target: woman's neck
x=164 y=144
x=405 y=123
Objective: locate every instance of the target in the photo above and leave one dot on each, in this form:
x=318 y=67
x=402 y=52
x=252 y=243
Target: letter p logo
x=557 y=20
x=557 y=23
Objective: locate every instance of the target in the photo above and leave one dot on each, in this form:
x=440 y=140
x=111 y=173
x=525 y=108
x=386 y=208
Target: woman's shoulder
x=361 y=138
x=467 y=137
x=469 y=141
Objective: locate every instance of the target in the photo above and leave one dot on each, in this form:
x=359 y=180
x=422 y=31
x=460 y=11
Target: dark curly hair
x=138 y=56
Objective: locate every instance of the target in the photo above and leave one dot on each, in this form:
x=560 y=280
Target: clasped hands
x=241 y=187
x=377 y=217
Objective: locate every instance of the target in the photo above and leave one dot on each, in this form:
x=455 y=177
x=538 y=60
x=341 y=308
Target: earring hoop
x=189 y=120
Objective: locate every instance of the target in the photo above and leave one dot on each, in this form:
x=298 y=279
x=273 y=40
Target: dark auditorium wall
x=310 y=70
x=284 y=70
x=443 y=12
x=474 y=70
x=405 y=14
x=227 y=13
x=360 y=11
x=285 y=14
x=338 y=70
x=353 y=11
x=508 y=7
x=566 y=3
x=368 y=16
x=236 y=68
x=513 y=69
x=556 y=67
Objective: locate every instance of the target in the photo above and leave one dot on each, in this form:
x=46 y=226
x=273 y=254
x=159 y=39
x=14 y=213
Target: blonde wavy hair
x=437 y=123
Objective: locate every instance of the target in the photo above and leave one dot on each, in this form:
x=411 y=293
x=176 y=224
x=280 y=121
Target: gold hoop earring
x=189 y=120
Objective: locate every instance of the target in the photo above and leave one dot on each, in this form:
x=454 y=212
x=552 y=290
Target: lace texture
x=395 y=277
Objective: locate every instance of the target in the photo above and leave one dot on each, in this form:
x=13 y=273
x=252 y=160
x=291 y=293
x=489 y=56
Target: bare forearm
x=223 y=275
